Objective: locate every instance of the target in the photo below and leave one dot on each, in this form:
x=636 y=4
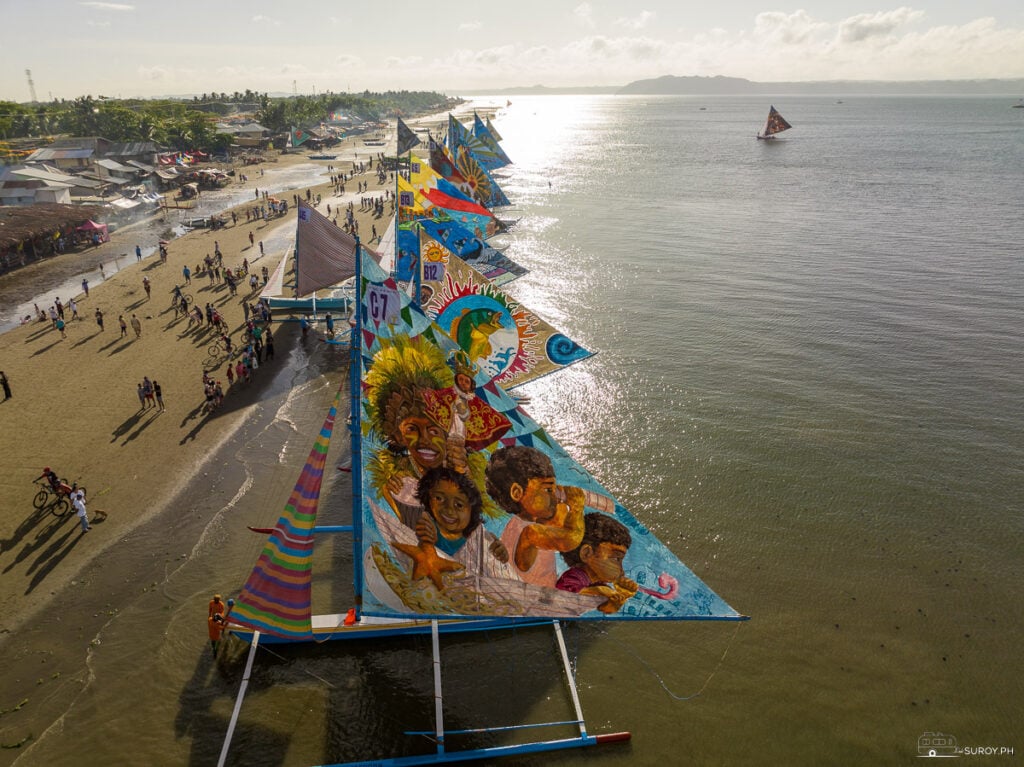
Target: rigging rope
x=657 y=676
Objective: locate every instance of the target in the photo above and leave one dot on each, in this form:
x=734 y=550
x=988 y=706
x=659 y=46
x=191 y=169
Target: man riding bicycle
x=51 y=477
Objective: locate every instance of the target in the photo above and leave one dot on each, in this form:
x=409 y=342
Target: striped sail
x=276 y=598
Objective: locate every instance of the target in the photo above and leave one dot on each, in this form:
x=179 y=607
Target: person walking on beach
x=158 y=392
x=137 y=326
x=138 y=253
x=85 y=287
x=187 y=273
x=83 y=515
x=252 y=240
x=53 y=316
x=74 y=309
x=60 y=327
x=124 y=325
x=60 y=307
x=268 y=342
x=99 y=319
x=261 y=248
x=148 y=287
x=6 y=385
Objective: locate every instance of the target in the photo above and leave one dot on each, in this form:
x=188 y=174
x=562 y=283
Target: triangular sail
x=276 y=597
x=407 y=139
x=484 y=134
x=507 y=341
x=415 y=203
x=775 y=123
x=498 y=268
x=470 y=509
x=325 y=253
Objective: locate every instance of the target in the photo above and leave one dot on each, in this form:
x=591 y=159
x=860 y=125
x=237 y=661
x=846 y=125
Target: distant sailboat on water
x=775 y=123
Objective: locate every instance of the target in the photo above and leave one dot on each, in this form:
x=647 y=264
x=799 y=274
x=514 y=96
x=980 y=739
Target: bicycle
x=57 y=502
x=178 y=298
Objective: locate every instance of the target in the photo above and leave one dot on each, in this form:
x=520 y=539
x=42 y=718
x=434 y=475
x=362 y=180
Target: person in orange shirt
x=215 y=621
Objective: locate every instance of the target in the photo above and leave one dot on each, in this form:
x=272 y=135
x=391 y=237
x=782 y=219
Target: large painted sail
x=490 y=262
x=483 y=134
x=443 y=164
x=470 y=509
x=276 y=597
x=508 y=342
x=493 y=130
x=434 y=203
x=460 y=136
x=485 y=189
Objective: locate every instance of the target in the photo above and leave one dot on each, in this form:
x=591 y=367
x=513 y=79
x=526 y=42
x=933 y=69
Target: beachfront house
x=30 y=184
x=247 y=135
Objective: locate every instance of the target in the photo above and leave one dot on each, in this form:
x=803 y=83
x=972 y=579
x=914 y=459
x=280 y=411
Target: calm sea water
x=808 y=385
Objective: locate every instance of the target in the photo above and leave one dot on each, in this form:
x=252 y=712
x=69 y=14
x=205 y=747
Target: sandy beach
x=74 y=404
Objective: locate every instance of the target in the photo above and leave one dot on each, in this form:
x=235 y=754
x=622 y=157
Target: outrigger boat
x=775 y=123
x=466 y=514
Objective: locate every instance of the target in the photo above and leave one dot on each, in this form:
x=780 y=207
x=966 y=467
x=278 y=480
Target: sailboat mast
x=355 y=373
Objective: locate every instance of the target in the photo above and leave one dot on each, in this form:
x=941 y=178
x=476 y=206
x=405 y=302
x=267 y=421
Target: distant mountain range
x=669 y=85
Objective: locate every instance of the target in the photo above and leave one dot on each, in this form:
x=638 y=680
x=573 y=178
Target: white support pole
x=570 y=678
x=238 y=701
x=438 y=711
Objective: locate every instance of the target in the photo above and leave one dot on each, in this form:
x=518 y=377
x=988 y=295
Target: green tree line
x=190 y=124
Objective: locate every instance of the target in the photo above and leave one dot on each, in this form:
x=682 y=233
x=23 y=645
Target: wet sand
x=178 y=487
x=75 y=408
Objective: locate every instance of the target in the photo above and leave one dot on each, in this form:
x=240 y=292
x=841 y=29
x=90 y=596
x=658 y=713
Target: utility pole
x=31 y=85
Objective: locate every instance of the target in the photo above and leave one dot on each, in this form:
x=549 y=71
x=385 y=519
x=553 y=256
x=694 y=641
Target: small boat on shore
x=323 y=157
x=775 y=124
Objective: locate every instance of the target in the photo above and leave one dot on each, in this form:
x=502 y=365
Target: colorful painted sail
x=443 y=164
x=406 y=138
x=483 y=133
x=775 y=123
x=468 y=508
x=460 y=136
x=507 y=341
x=276 y=597
x=493 y=130
x=485 y=189
x=490 y=262
x=298 y=136
x=413 y=203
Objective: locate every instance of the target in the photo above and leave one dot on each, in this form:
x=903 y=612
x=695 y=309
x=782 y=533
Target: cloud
x=584 y=14
x=153 y=74
x=470 y=26
x=261 y=19
x=872 y=25
x=108 y=6
x=797 y=28
x=637 y=22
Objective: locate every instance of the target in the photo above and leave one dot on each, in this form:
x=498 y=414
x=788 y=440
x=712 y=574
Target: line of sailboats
x=467 y=514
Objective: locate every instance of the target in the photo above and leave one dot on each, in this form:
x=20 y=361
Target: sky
x=144 y=48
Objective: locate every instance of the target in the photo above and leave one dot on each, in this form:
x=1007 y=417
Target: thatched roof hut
x=31 y=232
x=25 y=222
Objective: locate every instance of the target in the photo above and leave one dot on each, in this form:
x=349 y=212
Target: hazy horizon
x=127 y=50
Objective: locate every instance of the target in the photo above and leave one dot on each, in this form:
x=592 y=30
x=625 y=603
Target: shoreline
x=74 y=405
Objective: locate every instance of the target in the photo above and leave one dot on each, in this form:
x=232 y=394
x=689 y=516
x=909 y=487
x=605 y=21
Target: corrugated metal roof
x=41 y=155
x=114 y=165
x=132 y=148
x=141 y=166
